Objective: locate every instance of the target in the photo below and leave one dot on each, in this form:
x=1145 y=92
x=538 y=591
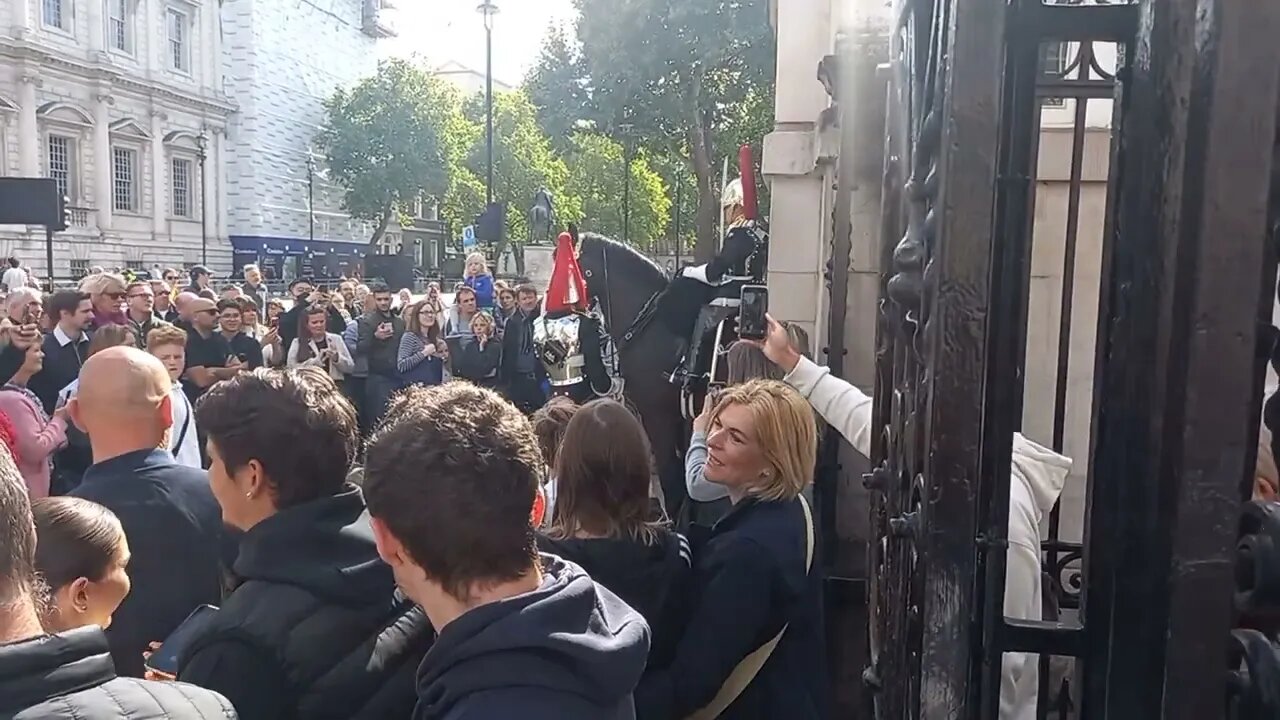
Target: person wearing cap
x=209 y=358
x=200 y=277
x=566 y=337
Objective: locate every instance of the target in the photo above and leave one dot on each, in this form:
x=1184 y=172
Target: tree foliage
x=389 y=139
x=596 y=177
x=689 y=76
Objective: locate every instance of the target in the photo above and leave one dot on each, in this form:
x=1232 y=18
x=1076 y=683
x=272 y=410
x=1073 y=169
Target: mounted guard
x=567 y=334
x=743 y=260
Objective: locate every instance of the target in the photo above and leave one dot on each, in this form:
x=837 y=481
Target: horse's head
x=619 y=277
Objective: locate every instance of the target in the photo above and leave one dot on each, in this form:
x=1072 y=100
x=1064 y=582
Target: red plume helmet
x=567 y=289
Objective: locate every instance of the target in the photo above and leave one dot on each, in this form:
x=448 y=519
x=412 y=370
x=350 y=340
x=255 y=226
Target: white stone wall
x=282 y=60
x=71 y=82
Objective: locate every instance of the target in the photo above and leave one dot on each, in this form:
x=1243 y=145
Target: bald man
x=182 y=304
x=173 y=523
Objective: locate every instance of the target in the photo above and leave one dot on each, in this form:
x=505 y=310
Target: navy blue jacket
x=748 y=581
x=570 y=650
x=174 y=528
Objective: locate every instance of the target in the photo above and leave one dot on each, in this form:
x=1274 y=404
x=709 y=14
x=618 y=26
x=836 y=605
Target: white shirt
x=14 y=278
x=188 y=453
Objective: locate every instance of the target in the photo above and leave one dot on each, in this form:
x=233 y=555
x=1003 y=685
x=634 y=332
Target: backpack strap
x=751 y=665
x=186 y=424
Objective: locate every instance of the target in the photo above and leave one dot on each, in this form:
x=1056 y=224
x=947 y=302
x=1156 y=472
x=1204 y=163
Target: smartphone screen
x=755 y=303
x=165 y=659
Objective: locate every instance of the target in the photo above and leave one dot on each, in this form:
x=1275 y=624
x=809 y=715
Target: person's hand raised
x=703 y=421
x=777 y=346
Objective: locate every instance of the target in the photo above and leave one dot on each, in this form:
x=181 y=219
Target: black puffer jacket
x=316 y=630
x=71 y=676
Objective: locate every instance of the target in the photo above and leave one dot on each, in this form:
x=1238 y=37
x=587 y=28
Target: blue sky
x=452 y=30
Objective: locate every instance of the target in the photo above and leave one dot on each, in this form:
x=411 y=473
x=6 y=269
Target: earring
x=249 y=495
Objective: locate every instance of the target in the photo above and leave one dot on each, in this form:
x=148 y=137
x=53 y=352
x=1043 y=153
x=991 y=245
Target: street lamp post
x=311 y=197
x=488 y=9
x=202 y=142
x=626 y=182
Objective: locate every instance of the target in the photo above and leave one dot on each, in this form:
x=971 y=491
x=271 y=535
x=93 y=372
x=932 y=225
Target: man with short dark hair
x=451 y=480
x=244 y=348
x=457 y=319
x=65 y=347
x=169 y=514
x=315 y=627
x=378 y=340
x=522 y=371
x=67 y=675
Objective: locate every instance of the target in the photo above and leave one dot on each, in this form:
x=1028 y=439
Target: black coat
x=651 y=578
x=748 y=582
x=316 y=628
x=70 y=676
x=175 y=533
x=382 y=355
x=479 y=365
x=61 y=365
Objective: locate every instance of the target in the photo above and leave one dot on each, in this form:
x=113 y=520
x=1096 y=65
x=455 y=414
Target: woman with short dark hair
x=603 y=518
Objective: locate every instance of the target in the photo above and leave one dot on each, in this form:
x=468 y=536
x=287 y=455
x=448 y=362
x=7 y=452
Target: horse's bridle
x=647 y=311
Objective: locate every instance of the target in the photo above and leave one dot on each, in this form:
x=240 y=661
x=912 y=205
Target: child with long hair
x=479 y=278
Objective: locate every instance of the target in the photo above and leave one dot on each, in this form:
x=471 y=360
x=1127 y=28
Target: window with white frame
x=120 y=25
x=179 y=39
x=79 y=268
x=124 y=176
x=61 y=163
x=56 y=14
x=180 y=185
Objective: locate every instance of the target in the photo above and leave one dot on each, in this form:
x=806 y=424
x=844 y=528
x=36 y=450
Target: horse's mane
x=637 y=264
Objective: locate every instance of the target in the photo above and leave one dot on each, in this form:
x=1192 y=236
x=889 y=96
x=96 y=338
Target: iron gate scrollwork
x=1149 y=590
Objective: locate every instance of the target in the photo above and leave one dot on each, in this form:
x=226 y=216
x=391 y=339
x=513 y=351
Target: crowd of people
x=387 y=515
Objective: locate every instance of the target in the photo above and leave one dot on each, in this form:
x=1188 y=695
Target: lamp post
x=311 y=197
x=202 y=143
x=488 y=9
x=625 y=128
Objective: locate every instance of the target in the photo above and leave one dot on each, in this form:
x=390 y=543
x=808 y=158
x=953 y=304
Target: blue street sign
x=468 y=236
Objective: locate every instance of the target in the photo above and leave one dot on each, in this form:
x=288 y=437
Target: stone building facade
x=281 y=61
x=122 y=102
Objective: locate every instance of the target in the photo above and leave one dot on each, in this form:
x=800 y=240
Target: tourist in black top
x=167 y=511
x=65 y=348
x=244 y=348
x=315 y=628
x=209 y=358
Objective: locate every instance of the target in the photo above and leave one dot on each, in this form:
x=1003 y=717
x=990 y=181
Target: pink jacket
x=36 y=441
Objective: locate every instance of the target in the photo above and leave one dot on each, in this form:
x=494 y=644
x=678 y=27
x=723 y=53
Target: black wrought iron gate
x=1185 y=266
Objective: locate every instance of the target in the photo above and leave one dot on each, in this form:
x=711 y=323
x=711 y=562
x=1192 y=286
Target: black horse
x=626 y=285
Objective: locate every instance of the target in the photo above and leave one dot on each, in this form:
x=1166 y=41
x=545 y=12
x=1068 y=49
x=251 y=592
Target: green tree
x=557 y=87
x=390 y=139
x=596 y=176
x=689 y=76
x=523 y=163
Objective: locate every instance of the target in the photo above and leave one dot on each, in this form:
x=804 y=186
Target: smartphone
x=165 y=659
x=751 y=321
x=274 y=322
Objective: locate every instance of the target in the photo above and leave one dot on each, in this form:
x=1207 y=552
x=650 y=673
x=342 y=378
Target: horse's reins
x=647 y=311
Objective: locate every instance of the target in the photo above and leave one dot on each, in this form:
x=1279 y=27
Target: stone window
x=79 y=269
x=61 y=163
x=56 y=14
x=180 y=183
x=124 y=176
x=120 y=20
x=179 y=24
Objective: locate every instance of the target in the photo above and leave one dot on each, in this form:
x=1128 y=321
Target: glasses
x=115 y=295
x=211 y=312
x=138 y=295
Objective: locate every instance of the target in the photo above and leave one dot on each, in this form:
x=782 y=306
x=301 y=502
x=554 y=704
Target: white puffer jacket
x=1036 y=478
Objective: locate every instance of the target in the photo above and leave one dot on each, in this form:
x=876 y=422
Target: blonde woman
x=107 y=292
x=755 y=587
x=479 y=278
x=480 y=359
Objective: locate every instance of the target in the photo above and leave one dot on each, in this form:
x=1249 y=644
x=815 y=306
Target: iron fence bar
x=1079 y=23
x=1198 y=118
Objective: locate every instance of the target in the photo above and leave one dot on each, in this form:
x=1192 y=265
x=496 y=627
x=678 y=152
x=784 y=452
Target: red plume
x=567 y=288
x=8 y=435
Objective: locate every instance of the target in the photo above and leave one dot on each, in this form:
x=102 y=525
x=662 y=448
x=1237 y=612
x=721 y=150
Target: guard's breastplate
x=559 y=349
